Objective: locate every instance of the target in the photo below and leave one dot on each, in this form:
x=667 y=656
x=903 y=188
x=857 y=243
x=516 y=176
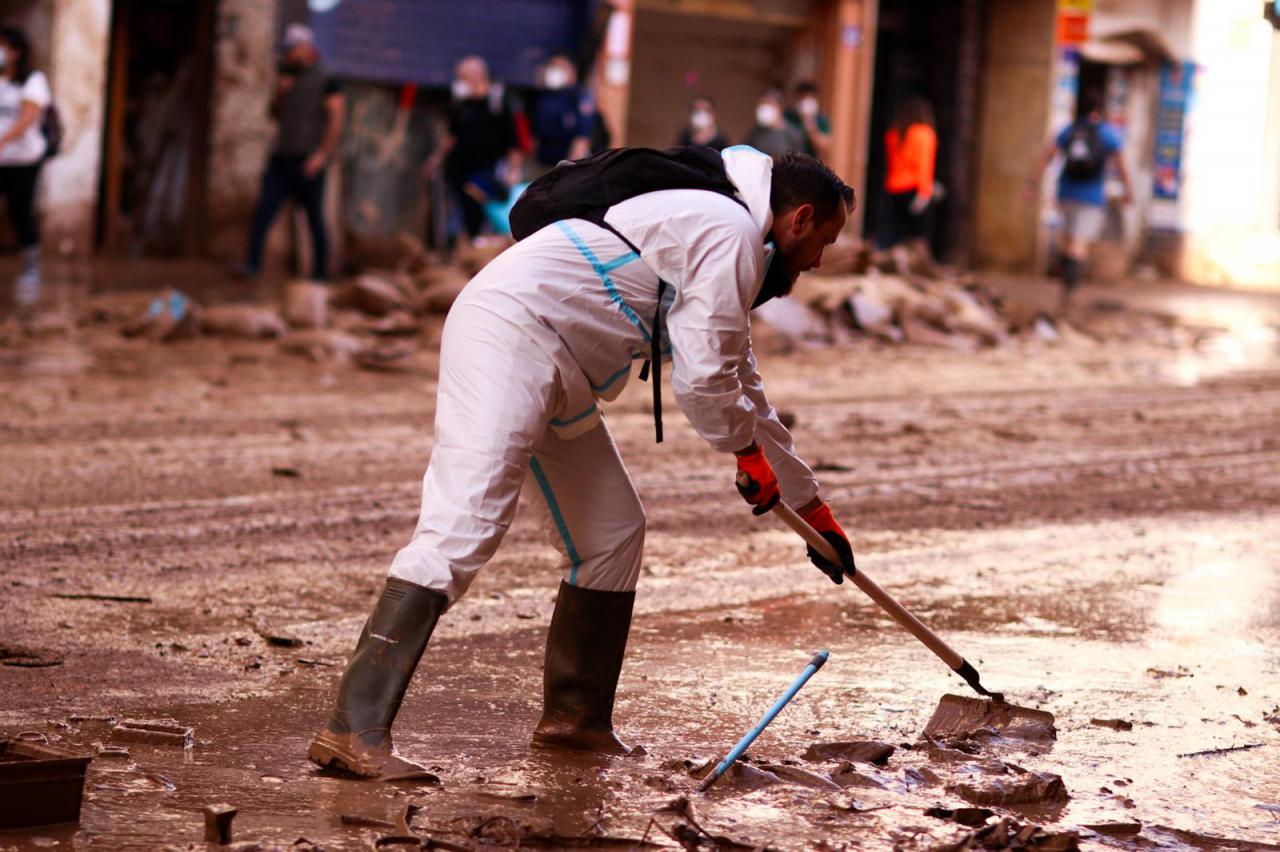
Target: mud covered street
x=1093 y=526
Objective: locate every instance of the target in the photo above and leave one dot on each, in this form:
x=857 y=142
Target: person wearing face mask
x=534 y=343
x=309 y=111
x=772 y=134
x=806 y=115
x=703 y=129
x=480 y=154
x=24 y=95
x=563 y=117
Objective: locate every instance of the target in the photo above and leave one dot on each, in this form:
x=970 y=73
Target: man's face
x=801 y=238
x=300 y=55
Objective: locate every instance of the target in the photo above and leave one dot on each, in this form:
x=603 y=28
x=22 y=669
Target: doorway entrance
x=931 y=50
x=156 y=142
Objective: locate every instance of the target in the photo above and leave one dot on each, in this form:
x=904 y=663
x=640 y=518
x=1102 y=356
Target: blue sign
x=1177 y=81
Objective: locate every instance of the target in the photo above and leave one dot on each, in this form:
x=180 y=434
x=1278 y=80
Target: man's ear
x=803 y=218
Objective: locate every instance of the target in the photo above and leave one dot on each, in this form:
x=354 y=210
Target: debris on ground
x=163 y=732
x=217 y=823
x=740 y=775
x=28 y=658
x=1016 y=786
x=95 y=596
x=306 y=304
x=275 y=636
x=1115 y=829
x=856 y=751
x=244 y=321
x=962 y=717
x=692 y=835
x=45 y=783
x=1227 y=750
x=169 y=316
x=1114 y=724
x=1010 y=834
x=803 y=777
x=972 y=817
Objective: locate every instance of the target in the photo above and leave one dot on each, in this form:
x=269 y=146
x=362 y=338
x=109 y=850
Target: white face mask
x=556 y=77
x=4 y=58
x=461 y=90
x=767 y=115
x=701 y=119
x=809 y=107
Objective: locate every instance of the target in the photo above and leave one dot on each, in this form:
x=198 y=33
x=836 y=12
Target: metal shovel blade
x=960 y=716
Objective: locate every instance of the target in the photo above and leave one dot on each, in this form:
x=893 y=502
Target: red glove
x=756 y=481
x=824 y=522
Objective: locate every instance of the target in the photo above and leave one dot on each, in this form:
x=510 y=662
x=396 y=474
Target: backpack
x=587 y=188
x=53 y=131
x=1084 y=152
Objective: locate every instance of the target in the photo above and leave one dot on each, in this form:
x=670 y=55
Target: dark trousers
x=18 y=187
x=900 y=223
x=283 y=179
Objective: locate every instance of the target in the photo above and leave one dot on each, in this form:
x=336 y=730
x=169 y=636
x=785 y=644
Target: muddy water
x=1095 y=533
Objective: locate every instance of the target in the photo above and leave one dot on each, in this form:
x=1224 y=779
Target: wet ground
x=1096 y=527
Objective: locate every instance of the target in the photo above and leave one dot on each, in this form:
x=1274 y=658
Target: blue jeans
x=283 y=179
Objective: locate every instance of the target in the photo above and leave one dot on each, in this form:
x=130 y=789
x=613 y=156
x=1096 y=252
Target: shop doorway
x=932 y=50
x=156 y=140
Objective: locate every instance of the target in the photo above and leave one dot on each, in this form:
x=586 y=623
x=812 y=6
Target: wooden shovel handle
x=872 y=589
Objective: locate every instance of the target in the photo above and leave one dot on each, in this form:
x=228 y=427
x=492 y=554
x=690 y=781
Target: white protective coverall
x=551 y=326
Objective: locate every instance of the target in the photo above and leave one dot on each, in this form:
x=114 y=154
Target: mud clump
x=740 y=775
x=972 y=817
x=958 y=717
x=803 y=777
x=1113 y=724
x=1018 y=788
x=855 y=751
x=1009 y=834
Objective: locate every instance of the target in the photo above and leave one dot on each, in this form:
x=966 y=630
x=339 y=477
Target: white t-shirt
x=29 y=147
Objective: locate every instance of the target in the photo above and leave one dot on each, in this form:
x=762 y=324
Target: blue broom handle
x=814 y=664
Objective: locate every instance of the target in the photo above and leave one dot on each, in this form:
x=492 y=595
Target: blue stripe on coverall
x=545 y=485
x=603 y=271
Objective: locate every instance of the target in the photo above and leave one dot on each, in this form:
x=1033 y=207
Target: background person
x=806 y=115
x=309 y=113
x=24 y=95
x=480 y=143
x=563 y=117
x=1087 y=146
x=703 y=128
x=771 y=133
x=911 y=151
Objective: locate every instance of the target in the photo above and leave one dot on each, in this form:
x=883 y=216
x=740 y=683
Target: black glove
x=821 y=519
x=835 y=572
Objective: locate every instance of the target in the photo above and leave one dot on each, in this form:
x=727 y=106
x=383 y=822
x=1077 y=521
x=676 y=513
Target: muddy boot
x=585 y=645
x=357 y=739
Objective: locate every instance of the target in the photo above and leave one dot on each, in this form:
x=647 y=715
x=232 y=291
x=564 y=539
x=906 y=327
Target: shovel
x=900 y=614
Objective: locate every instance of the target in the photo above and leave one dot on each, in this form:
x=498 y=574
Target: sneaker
x=26 y=287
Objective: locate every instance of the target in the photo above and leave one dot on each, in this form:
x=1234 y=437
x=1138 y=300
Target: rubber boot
x=585 y=646
x=26 y=287
x=357 y=738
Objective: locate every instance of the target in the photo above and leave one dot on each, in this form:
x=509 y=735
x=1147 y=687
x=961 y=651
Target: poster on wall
x=1177 y=81
x=1071 y=21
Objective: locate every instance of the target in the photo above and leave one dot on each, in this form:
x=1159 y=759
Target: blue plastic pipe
x=814 y=664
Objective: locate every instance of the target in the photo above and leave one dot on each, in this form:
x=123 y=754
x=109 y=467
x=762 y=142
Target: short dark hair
x=18 y=40
x=801 y=179
x=1089 y=102
x=805 y=87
